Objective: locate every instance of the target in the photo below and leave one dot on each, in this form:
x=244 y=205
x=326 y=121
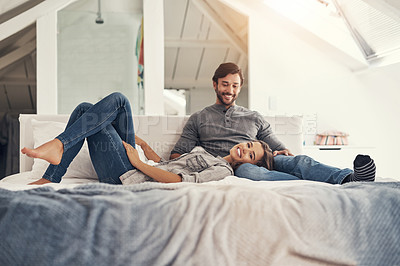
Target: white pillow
x=141 y=153
x=80 y=167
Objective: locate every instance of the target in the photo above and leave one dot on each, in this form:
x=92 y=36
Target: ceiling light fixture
x=99 y=19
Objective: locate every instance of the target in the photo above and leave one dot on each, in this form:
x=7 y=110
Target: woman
x=302 y=167
x=108 y=128
x=196 y=166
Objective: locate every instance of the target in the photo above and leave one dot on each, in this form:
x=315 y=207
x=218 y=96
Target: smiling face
x=247 y=152
x=227 y=89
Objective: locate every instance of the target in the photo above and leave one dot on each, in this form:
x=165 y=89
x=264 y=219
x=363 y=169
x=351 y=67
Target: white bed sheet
x=20 y=182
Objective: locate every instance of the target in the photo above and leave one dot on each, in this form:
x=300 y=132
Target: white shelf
x=341 y=156
x=335 y=147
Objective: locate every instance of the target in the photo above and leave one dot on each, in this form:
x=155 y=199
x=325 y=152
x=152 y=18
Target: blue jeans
x=104 y=126
x=299 y=167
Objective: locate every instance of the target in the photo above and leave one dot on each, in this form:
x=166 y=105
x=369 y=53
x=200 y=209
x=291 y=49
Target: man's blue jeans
x=105 y=125
x=299 y=167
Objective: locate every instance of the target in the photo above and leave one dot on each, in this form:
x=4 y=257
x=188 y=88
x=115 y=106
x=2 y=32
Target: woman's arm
x=155 y=173
x=148 y=151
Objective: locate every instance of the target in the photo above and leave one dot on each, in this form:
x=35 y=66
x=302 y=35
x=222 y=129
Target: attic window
x=375 y=26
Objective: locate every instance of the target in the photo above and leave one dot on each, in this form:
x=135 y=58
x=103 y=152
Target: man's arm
x=266 y=134
x=188 y=140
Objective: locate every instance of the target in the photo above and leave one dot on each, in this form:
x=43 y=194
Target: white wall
x=382 y=104
x=303 y=79
x=95 y=60
x=47 y=93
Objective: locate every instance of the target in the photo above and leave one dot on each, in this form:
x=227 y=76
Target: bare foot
x=51 y=151
x=41 y=181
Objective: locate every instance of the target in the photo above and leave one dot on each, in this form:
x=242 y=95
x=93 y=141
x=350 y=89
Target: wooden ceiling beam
x=9 y=69
x=18 y=10
x=173 y=43
x=18 y=22
x=218 y=22
x=27 y=37
x=187 y=83
x=17 y=54
x=11 y=41
x=242 y=32
x=18 y=81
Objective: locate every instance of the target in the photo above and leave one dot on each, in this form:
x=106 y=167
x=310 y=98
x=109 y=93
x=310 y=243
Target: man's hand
x=174 y=155
x=283 y=152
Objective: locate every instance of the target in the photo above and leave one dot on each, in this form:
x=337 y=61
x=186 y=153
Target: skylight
x=321 y=18
x=372 y=27
x=375 y=26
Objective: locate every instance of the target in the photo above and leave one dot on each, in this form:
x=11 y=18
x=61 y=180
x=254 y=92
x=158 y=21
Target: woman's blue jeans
x=299 y=167
x=104 y=125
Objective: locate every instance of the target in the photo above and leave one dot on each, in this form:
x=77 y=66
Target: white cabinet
x=337 y=155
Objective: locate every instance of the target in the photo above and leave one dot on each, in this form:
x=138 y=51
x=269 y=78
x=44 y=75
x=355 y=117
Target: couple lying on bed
x=108 y=128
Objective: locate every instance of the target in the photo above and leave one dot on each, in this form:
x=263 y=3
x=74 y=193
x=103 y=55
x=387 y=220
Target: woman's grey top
x=196 y=166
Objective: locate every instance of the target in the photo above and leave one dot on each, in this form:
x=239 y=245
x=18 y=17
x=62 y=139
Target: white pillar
x=153 y=35
x=46 y=43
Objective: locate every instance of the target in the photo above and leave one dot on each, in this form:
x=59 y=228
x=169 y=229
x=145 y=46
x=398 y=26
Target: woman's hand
x=158 y=174
x=132 y=153
x=283 y=152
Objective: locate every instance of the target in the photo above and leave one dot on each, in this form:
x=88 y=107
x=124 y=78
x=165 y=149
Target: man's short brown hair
x=225 y=69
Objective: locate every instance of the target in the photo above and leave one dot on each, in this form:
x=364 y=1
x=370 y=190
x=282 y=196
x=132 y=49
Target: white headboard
x=162 y=132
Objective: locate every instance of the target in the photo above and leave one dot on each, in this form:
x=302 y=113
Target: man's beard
x=220 y=96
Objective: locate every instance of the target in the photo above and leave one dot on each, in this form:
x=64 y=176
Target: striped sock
x=364 y=169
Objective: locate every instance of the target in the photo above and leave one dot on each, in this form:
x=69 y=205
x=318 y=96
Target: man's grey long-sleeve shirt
x=218 y=129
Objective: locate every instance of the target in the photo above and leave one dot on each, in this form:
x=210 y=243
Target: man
x=217 y=128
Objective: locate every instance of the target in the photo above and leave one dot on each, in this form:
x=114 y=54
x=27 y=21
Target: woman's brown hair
x=267 y=161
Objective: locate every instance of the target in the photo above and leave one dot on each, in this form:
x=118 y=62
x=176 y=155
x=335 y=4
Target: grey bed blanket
x=192 y=224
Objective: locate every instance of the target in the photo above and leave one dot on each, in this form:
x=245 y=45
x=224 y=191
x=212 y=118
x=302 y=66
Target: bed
x=233 y=221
